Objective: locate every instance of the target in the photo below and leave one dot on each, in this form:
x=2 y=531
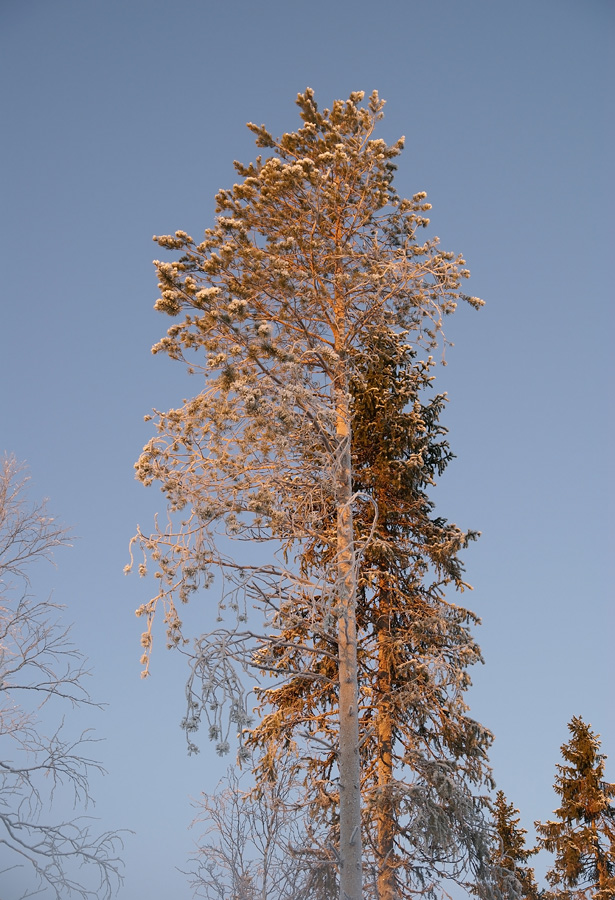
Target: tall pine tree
x=313 y=253
x=582 y=836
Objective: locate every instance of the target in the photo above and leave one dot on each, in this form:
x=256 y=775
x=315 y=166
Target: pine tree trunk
x=350 y=848
x=384 y=814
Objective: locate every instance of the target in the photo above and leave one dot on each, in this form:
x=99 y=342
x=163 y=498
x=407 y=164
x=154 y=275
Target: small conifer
x=510 y=855
x=582 y=837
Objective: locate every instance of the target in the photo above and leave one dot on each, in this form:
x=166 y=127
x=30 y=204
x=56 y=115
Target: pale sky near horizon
x=120 y=120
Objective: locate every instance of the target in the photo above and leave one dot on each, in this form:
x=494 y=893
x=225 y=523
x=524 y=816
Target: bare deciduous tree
x=254 y=843
x=41 y=679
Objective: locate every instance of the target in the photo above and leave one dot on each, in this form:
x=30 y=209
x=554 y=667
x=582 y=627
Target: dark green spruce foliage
x=423 y=759
x=582 y=836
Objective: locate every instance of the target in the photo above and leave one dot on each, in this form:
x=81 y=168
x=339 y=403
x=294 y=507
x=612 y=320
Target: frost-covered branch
x=254 y=843
x=42 y=678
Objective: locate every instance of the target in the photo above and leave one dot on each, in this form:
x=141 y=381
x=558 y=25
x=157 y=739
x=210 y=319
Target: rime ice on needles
x=313 y=258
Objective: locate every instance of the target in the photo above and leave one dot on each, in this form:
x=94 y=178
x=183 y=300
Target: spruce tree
x=510 y=855
x=424 y=760
x=582 y=836
x=313 y=253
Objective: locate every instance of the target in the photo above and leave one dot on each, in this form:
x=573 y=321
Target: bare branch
x=42 y=673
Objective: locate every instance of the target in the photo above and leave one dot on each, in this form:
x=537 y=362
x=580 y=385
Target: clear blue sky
x=121 y=119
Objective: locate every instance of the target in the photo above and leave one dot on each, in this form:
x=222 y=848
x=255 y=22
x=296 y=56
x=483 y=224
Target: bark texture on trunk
x=385 y=836
x=348 y=756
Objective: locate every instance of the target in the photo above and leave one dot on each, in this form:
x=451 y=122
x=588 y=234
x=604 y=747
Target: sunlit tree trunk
x=348 y=756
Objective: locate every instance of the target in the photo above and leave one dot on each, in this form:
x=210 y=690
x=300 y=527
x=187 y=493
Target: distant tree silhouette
x=39 y=666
